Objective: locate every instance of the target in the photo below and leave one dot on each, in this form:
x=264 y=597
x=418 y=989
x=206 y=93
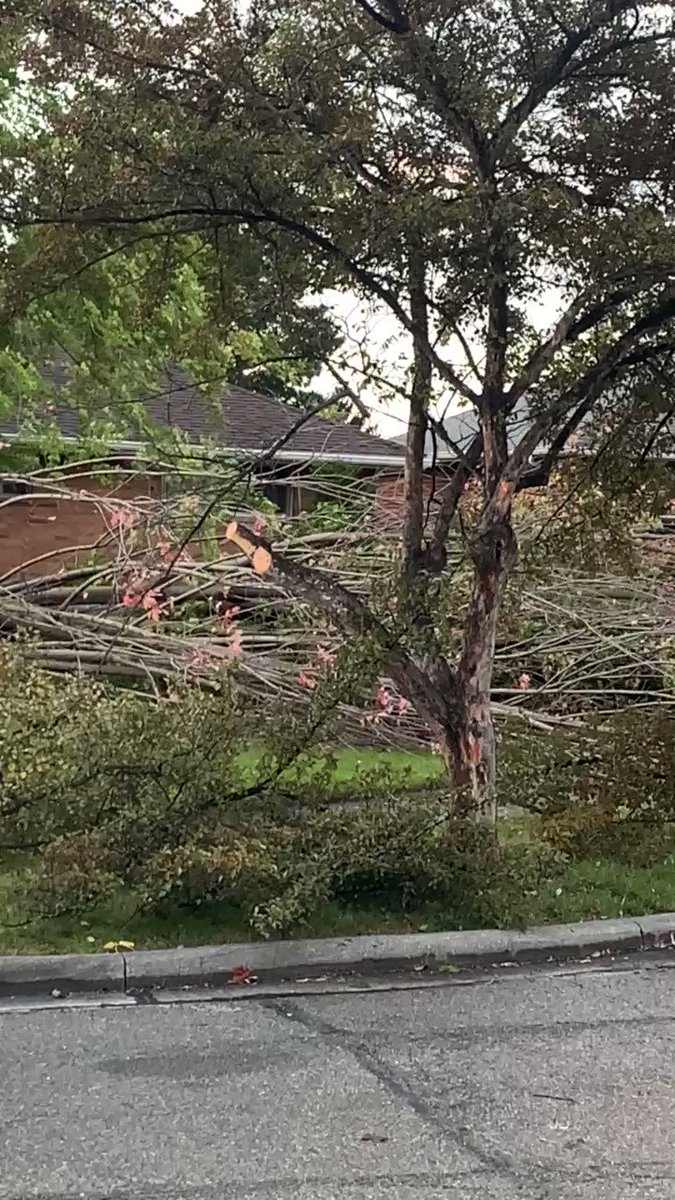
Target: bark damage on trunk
x=474 y=745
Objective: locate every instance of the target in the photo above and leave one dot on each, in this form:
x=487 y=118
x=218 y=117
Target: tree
x=114 y=316
x=495 y=176
x=116 y=310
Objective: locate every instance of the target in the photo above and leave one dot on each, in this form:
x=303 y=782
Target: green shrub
x=77 y=758
x=397 y=853
x=606 y=790
x=401 y=854
x=106 y=791
x=114 y=792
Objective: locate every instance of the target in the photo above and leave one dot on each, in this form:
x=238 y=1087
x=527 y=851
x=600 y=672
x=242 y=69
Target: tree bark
x=472 y=741
x=413 y=515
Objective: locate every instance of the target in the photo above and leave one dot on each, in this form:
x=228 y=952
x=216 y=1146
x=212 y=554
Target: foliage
x=606 y=790
x=100 y=785
x=115 y=323
x=75 y=756
x=480 y=133
x=395 y=853
x=585 y=521
x=569 y=892
x=108 y=790
x=106 y=794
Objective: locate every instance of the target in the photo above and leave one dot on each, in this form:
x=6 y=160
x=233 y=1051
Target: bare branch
x=355 y=617
x=575 y=321
x=587 y=389
x=395 y=22
x=349 y=392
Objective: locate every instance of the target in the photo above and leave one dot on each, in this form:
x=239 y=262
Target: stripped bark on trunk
x=494 y=553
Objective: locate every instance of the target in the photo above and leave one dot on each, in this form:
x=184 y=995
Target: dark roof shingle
x=238 y=420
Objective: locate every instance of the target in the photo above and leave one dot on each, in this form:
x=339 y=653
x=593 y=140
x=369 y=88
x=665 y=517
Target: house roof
x=462 y=426
x=237 y=420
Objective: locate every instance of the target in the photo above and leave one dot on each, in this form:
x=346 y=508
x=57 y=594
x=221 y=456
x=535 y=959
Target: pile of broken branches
x=151 y=610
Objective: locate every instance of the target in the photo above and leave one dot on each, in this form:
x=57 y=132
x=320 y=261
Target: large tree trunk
x=471 y=741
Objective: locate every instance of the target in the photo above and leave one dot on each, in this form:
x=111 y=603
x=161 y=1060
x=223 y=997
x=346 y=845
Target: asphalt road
x=531 y=1086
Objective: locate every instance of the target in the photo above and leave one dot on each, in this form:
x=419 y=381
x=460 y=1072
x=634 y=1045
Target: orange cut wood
x=261 y=559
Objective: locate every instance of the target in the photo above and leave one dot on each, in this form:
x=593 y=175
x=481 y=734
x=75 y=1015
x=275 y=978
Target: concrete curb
x=308 y=959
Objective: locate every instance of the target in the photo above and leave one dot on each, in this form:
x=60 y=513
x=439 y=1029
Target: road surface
x=529 y=1086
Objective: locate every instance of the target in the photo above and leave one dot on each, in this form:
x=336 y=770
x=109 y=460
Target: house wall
x=31 y=528
x=390 y=491
x=51 y=529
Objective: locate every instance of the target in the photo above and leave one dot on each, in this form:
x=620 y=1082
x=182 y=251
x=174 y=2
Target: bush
x=75 y=757
x=114 y=792
x=607 y=790
x=107 y=791
x=400 y=854
x=393 y=853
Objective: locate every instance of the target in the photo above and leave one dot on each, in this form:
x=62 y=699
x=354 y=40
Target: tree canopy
x=496 y=176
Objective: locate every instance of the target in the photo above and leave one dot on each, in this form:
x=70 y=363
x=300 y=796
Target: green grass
x=589 y=890
x=581 y=891
x=420 y=768
x=417 y=769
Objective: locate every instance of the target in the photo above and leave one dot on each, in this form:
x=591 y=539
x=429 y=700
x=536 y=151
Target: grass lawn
x=417 y=769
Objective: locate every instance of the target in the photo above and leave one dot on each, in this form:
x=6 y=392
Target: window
x=278 y=494
x=14 y=487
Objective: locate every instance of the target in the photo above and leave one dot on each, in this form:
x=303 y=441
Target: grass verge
x=580 y=891
x=575 y=891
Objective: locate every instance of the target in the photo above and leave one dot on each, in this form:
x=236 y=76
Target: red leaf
x=324 y=656
x=235 y=644
x=243 y=976
x=121 y=518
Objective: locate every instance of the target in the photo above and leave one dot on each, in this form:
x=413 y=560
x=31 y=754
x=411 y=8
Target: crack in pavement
x=389 y=1078
x=521 y=1174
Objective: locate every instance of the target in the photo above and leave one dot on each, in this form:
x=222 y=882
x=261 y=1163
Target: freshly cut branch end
x=261 y=559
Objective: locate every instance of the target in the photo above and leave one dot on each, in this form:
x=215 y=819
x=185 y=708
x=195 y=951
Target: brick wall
x=391 y=496
x=31 y=528
x=52 y=529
